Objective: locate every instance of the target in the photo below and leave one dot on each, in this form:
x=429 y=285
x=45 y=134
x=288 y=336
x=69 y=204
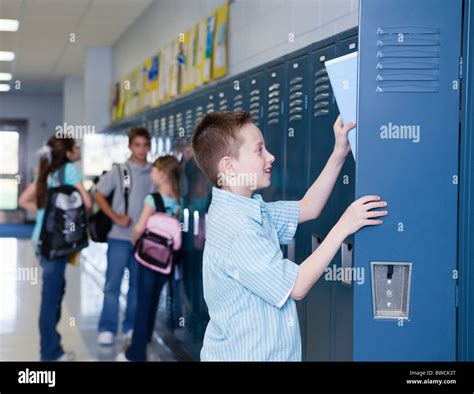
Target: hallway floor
x=20 y=290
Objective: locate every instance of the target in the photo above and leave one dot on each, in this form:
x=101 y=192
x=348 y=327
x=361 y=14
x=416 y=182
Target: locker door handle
x=196 y=222
x=346 y=260
x=291 y=251
x=185 y=220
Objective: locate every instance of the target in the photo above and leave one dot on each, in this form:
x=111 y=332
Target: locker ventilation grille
x=188 y=121
x=296 y=101
x=238 y=103
x=254 y=105
x=199 y=113
x=322 y=93
x=407 y=59
x=273 y=106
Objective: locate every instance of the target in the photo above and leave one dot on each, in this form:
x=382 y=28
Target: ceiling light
x=6 y=56
x=4 y=87
x=5 y=77
x=8 y=25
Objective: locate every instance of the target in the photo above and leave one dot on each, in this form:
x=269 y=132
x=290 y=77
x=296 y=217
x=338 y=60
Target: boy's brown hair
x=138 y=132
x=216 y=136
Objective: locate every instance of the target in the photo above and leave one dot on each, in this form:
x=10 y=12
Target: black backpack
x=64 y=229
x=99 y=223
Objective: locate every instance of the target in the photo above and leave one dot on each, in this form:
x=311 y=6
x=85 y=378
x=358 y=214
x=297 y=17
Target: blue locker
x=296 y=160
x=239 y=93
x=154 y=129
x=224 y=97
x=210 y=100
x=466 y=202
x=232 y=94
x=408 y=109
x=254 y=97
x=343 y=196
x=195 y=202
x=199 y=108
x=162 y=127
x=189 y=117
x=180 y=138
x=297 y=122
x=274 y=126
x=171 y=130
x=319 y=333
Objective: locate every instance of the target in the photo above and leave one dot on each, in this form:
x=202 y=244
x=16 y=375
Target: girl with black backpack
x=58 y=178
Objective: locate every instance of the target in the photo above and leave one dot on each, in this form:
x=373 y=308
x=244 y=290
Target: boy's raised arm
x=313 y=202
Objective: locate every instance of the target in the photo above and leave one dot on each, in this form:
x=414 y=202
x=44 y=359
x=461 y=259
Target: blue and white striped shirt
x=247 y=282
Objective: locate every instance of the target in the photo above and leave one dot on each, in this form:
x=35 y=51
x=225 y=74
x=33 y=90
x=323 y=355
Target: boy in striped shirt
x=249 y=287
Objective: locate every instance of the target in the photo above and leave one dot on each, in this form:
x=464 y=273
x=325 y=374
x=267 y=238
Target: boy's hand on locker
x=123 y=220
x=341 y=145
x=359 y=214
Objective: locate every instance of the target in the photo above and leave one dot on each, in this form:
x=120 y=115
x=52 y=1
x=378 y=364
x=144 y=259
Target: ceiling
x=42 y=45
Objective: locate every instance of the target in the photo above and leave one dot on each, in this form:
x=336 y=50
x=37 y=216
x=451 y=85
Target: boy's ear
x=225 y=166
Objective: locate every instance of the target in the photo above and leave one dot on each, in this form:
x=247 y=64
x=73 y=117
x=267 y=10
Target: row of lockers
x=291 y=101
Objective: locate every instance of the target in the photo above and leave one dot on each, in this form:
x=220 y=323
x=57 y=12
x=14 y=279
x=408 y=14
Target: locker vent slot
x=296 y=99
x=199 y=113
x=238 y=102
x=179 y=122
x=322 y=93
x=273 y=104
x=407 y=59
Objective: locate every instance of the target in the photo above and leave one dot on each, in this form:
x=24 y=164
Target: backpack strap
x=159 y=205
x=62 y=174
x=126 y=184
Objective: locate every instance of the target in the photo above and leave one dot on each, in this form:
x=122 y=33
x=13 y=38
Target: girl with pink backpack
x=156 y=237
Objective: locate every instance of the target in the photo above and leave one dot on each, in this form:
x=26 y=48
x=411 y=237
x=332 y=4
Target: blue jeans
x=119 y=257
x=52 y=292
x=149 y=286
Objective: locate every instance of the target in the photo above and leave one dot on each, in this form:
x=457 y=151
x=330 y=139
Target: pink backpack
x=162 y=237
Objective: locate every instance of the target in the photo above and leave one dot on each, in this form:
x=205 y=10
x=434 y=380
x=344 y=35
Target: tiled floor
x=20 y=289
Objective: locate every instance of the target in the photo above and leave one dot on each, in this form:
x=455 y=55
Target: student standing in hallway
x=56 y=156
x=120 y=249
x=249 y=287
x=165 y=176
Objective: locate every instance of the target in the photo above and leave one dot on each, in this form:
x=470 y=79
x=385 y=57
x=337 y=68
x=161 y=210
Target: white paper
x=342 y=73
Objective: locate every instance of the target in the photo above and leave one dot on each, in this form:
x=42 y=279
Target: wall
x=43 y=113
x=258 y=29
x=73 y=100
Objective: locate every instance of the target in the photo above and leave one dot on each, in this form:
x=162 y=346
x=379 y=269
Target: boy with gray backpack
x=129 y=186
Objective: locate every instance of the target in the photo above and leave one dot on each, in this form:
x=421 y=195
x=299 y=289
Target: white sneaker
x=67 y=356
x=121 y=357
x=106 y=338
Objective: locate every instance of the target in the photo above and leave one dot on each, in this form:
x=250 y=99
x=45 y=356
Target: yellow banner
x=219 y=58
